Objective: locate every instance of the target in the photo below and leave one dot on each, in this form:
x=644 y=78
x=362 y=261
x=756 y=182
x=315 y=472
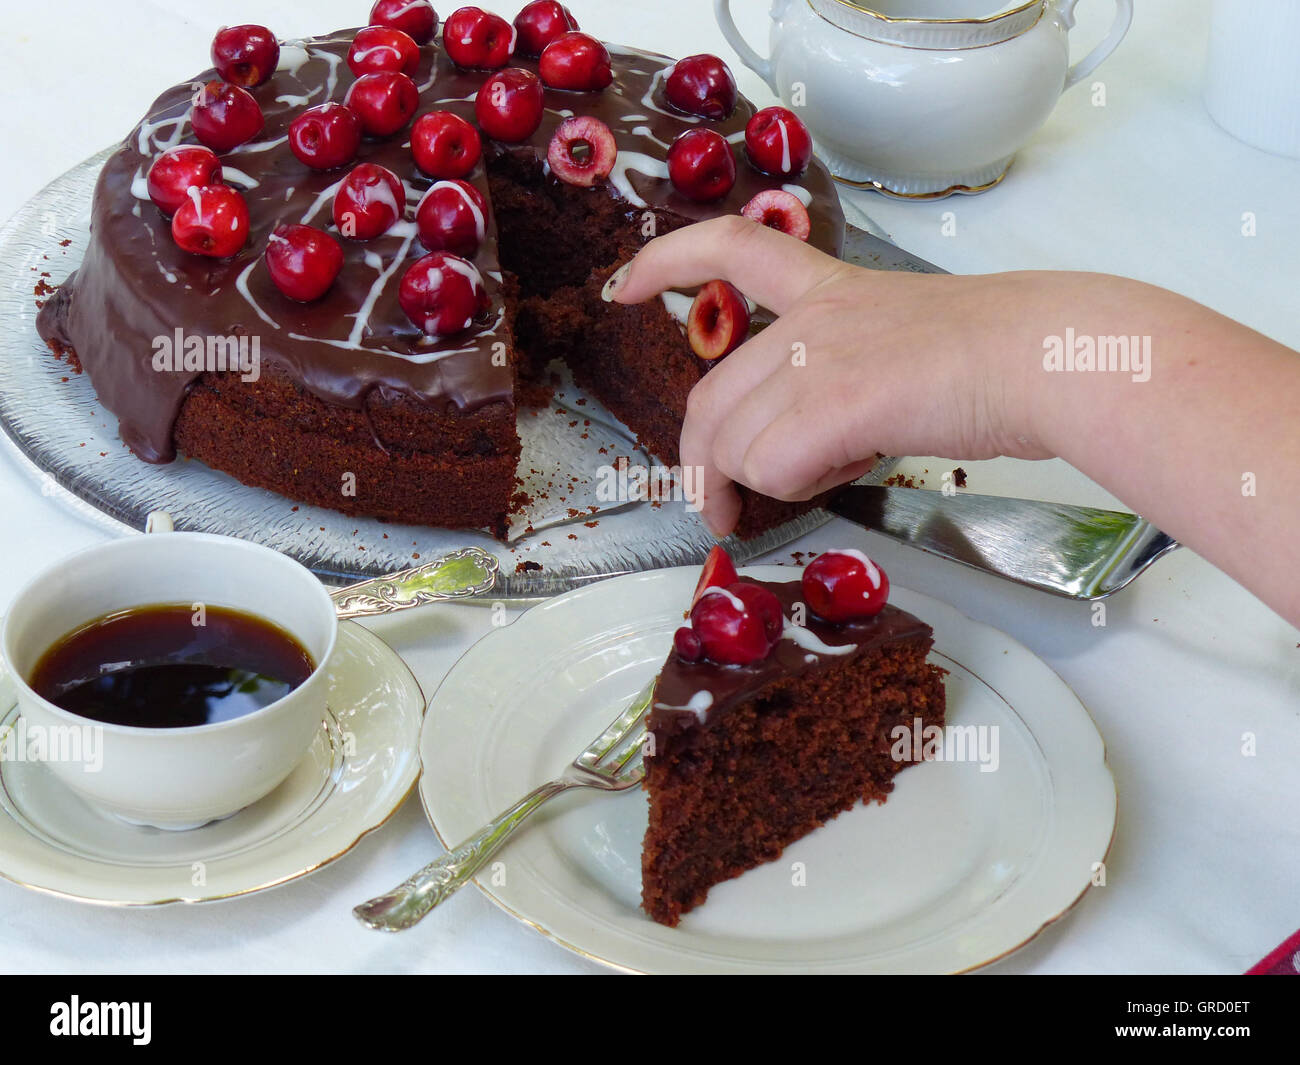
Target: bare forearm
x=1200 y=433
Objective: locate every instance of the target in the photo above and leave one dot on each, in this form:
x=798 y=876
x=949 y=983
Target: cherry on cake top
x=735 y=622
x=416 y=18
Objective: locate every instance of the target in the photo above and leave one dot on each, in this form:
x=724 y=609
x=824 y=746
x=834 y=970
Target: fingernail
x=615 y=282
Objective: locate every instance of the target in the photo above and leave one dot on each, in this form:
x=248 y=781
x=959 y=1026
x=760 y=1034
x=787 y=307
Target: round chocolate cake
x=349 y=404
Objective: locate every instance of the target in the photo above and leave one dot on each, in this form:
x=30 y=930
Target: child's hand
x=859 y=362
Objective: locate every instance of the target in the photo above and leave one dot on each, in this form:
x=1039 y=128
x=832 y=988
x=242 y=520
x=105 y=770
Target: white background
x=1206 y=858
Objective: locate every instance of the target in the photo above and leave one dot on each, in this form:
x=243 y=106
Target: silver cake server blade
x=1076 y=552
x=865 y=249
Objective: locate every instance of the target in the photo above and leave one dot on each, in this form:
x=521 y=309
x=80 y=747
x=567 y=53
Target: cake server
x=1076 y=552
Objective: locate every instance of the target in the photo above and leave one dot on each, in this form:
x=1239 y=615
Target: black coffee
x=171 y=665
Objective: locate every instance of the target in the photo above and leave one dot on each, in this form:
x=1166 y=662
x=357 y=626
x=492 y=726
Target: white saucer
x=359 y=768
x=957 y=869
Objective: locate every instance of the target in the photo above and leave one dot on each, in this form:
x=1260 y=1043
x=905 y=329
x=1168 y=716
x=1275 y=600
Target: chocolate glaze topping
x=135 y=284
x=697 y=693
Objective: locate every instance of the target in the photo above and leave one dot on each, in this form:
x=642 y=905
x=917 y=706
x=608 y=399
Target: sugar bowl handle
x=760 y=66
x=1094 y=59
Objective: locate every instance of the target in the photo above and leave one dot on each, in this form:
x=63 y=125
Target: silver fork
x=611 y=762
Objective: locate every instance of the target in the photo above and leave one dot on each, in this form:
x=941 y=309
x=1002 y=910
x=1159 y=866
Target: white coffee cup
x=1252 y=78
x=174 y=778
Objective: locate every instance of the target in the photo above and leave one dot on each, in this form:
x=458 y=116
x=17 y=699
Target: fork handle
x=408 y=903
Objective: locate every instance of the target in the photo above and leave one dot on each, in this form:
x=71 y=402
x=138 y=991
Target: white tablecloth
x=1206 y=857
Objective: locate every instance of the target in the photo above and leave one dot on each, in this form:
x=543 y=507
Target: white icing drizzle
x=292 y=56
x=734 y=599
x=642 y=164
x=648 y=134
x=145 y=142
x=736 y=138
x=241 y=283
x=231 y=174
x=785 y=146
x=257 y=146
x=800 y=193
x=699 y=705
x=635 y=118
x=873 y=574
x=288 y=193
x=323 y=197
x=167 y=274
x=136 y=211
x=361 y=319
x=140 y=184
x=808 y=640
x=299 y=99
x=332 y=78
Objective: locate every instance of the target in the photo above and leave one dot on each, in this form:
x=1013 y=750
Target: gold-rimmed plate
x=360 y=767
x=968 y=860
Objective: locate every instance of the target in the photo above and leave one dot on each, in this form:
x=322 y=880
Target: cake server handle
x=412 y=899
x=462 y=574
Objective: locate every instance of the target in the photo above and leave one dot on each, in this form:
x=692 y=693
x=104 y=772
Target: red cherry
x=178 y=170
x=702 y=85
x=478 y=39
x=687 y=644
x=452 y=216
x=303 y=261
x=701 y=165
x=778 y=142
x=384 y=101
x=719 y=320
x=509 y=105
x=325 y=136
x=582 y=151
x=444 y=145
x=415 y=18
x=225 y=116
x=212 y=221
x=718 y=572
x=737 y=625
x=245 y=55
x=441 y=293
x=780 y=210
x=577 y=62
x=368 y=201
x=844 y=585
x=539 y=23
x=383 y=48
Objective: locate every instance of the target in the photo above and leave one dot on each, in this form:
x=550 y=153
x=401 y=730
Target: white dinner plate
x=360 y=767
x=958 y=868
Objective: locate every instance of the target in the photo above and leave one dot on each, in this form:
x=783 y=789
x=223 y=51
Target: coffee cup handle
x=1094 y=59
x=8 y=690
x=760 y=66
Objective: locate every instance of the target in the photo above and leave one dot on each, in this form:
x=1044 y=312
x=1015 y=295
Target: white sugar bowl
x=917 y=98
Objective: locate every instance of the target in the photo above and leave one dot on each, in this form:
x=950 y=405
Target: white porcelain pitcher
x=911 y=97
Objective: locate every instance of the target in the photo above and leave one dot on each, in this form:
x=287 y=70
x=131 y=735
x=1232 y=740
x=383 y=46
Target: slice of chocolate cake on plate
x=774 y=713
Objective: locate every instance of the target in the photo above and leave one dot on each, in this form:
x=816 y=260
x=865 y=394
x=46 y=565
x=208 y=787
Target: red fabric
x=1285 y=961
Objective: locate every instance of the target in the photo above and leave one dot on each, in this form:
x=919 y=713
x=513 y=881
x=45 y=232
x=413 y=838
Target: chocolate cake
x=744 y=759
x=354 y=407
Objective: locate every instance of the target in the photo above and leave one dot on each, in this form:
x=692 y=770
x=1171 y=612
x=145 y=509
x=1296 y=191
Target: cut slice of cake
x=775 y=712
